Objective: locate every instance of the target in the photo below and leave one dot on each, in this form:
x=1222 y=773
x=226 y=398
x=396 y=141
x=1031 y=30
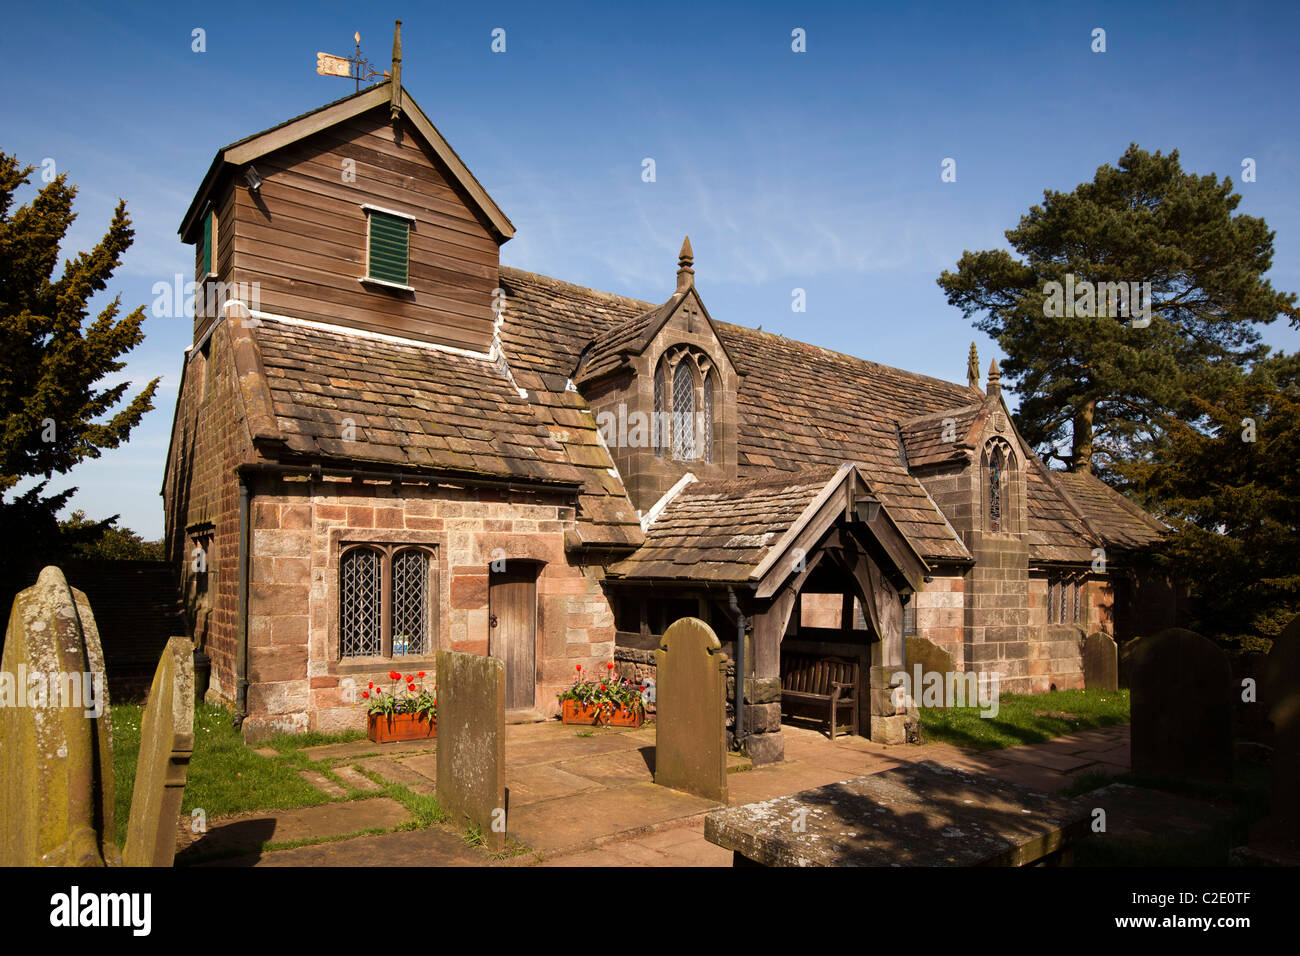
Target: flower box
x=384 y=729
x=573 y=712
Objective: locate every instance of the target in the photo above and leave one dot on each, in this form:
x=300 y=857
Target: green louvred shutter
x=389 y=248
x=207 y=244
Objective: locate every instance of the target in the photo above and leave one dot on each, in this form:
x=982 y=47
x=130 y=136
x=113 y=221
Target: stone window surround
x=703 y=371
x=1011 y=518
x=439 y=590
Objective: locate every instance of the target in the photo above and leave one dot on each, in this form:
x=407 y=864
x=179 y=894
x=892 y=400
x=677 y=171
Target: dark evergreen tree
x=53 y=356
x=1101 y=385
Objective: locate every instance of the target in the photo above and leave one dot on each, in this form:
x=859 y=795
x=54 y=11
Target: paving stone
x=550 y=825
x=249 y=831
x=613 y=770
x=436 y=846
x=395 y=771
x=322 y=783
x=1061 y=763
x=530 y=784
x=355 y=780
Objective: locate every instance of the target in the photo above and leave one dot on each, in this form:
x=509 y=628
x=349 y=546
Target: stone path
x=580 y=797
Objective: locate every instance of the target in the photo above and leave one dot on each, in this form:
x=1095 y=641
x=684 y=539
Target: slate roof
x=723 y=530
x=423 y=409
x=928 y=441
x=1119 y=522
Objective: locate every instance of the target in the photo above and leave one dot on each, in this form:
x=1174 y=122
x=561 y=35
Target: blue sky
x=817 y=170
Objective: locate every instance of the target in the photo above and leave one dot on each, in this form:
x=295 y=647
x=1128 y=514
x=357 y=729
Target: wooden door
x=512 y=628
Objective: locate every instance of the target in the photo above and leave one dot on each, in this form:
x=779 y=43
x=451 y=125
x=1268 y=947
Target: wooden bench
x=827 y=684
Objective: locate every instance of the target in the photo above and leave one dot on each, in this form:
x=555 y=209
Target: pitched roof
x=418 y=408
x=723 y=530
x=789 y=419
x=941 y=437
x=253 y=147
x=1119 y=522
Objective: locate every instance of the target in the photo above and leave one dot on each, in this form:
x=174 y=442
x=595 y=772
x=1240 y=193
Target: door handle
x=492 y=620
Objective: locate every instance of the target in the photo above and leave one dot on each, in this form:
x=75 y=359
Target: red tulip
x=421 y=675
x=371 y=685
x=365 y=693
x=410 y=687
x=609 y=666
x=393 y=675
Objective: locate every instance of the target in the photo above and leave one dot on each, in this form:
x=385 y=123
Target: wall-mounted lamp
x=867 y=509
x=254 y=181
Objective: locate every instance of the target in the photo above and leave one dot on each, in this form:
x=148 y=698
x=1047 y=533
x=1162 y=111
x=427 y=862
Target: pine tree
x=1101 y=384
x=53 y=411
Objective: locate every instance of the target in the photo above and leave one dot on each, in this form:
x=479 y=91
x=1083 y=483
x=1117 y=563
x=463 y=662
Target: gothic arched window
x=683 y=412
x=706 y=419
x=658 y=422
x=997 y=465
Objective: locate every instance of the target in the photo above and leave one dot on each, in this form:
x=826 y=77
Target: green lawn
x=225 y=776
x=1025 y=719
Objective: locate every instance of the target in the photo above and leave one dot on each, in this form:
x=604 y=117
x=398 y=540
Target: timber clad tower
x=386 y=444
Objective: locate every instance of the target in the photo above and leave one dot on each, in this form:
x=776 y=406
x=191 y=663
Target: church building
x=387 y=443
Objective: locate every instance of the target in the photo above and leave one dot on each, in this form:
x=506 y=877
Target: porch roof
x=741 y=531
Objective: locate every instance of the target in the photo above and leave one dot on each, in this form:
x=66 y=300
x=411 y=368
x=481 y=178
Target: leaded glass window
x=410 y=602
x=995 y=490
x=361 y=600
x=706 y=425
x=386 y=601
x=683 y=412
x=658 y=425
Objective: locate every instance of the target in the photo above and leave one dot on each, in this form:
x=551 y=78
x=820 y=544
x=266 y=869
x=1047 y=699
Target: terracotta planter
x=382 y=729
x=572 y=712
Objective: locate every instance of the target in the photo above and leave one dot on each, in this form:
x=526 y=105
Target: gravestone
x=166 y=743
x=471 y=742
x=1100 y=662
x=56 y=751
x=1181 y=706
x=933 y=660
x=690 y=743
x=1280 y=694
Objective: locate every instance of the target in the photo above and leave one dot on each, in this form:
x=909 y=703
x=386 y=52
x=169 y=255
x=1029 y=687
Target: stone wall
x=298 y=680
x=200 y=490
x=940 y=614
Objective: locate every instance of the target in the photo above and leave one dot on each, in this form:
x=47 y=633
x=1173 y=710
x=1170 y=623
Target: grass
x=225 y=776
x=1025 y=719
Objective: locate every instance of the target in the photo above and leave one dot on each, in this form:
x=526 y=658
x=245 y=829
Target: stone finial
x=395 y=97
x=973 y=367
x=685 y=261
x=994 y=386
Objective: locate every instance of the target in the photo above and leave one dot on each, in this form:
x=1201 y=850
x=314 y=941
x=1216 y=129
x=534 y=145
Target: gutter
x=241 y=621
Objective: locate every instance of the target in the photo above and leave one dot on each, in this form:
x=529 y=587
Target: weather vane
x=350 y=67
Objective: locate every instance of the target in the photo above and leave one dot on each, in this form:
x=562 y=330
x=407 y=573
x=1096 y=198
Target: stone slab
x=471 y=743
x=249 y=831
x=691 y=752
x=1100 y=662
x=1181 y=706
x=56 y=754
x=923 y=814
x=435 y=846
x=574 y=821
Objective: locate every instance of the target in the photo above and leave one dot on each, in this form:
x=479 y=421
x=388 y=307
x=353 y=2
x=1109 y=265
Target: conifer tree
x=1101 y=385
x=54 y=411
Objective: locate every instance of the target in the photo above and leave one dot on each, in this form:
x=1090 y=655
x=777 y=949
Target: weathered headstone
x=1181 y=706
x=1100 y=662
x=1280 y=693
x=471 y=742
x=56 y=751
x=690 y=744
x=166 y=743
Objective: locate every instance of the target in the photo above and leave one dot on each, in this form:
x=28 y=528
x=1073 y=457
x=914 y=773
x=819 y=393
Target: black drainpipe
x=241 y=640
x=740 y=666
